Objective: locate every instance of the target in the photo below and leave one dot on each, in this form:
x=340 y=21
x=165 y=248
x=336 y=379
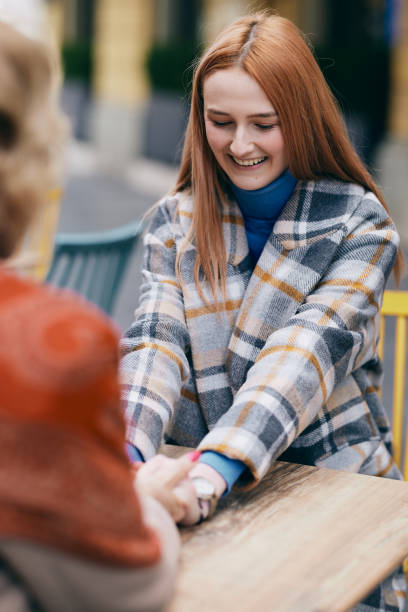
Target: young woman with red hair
x=256 y=333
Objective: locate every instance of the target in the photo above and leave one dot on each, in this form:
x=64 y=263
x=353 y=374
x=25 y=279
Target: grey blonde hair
x=32 y=132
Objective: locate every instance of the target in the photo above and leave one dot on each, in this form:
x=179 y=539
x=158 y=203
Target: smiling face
x=243 y=129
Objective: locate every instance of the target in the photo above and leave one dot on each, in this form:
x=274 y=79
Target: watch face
x=205 y=489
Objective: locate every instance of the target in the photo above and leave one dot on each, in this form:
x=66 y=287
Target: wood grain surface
x=305 y=539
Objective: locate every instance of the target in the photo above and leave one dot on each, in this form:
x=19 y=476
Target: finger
x=181 y=467
x=155 y=464
x=160 y=491
x=186 y=492
x=179 y=511
x=176 y=507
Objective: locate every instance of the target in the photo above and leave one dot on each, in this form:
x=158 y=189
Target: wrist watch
x=207 y=497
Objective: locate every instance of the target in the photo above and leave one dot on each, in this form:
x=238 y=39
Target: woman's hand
x=186 y=492
x=166 y=480
x=208 y=472
x=193 y=512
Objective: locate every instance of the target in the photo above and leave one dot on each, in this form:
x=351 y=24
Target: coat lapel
x=292 y=263
x=233 y=228
x=236 y=244
x=257 y=302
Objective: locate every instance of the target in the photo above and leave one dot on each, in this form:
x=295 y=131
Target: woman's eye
x=266 y=126
x=221 y=123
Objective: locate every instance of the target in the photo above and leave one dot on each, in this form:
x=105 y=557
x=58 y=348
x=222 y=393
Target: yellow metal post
x=395 y=304
x=399 y=386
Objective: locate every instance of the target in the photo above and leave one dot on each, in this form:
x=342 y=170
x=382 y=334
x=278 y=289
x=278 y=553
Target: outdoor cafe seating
x=306 y=538
x=94 y=263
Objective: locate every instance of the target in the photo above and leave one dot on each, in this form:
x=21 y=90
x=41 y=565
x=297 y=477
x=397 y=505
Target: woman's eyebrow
x=269 y=115
x=214 y=111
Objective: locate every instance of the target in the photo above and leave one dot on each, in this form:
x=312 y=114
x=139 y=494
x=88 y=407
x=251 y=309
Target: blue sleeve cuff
x=133 y=453
x=229 y=469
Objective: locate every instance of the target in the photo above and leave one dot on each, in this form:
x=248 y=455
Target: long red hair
x=273 y=52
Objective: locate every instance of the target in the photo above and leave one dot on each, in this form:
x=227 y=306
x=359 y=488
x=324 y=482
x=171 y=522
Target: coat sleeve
x=333 y=332
x=154 y=364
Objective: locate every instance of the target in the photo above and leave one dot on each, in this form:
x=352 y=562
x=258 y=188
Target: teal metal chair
x=93 y=263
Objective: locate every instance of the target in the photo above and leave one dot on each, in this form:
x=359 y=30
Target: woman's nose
x=241 y=144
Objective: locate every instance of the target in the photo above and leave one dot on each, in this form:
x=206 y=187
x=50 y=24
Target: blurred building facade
x=122 y=59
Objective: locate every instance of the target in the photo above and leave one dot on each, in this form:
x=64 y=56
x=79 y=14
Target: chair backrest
x=33 y=256
x=93 y=264
x=395 y=304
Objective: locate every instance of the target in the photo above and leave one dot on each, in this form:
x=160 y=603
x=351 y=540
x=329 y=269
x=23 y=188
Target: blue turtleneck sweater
x=260 y=209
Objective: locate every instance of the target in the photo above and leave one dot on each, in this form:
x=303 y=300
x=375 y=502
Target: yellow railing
x=395 y=304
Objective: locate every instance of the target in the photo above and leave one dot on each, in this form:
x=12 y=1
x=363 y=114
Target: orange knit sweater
x=65 y=480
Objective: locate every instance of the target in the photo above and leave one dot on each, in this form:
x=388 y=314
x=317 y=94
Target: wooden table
x=306 y=539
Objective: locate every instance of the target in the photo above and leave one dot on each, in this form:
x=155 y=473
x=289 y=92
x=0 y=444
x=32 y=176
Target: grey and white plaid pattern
x=289 y=367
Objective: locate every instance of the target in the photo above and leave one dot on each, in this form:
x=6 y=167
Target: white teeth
x=248 y=162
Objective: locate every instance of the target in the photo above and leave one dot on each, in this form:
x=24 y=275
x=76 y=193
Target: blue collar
x=260 y=209
x=266 y=202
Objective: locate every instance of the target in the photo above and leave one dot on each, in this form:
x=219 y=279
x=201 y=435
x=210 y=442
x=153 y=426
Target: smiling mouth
x=248 y=162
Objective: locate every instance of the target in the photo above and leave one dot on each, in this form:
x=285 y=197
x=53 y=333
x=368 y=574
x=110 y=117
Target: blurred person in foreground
x=76 y=533
x=256 y=333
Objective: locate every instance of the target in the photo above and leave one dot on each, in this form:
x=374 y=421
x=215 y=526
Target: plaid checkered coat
x=289 y=368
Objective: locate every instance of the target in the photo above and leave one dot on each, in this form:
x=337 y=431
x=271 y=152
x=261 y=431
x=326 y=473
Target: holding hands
x=176 y=484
